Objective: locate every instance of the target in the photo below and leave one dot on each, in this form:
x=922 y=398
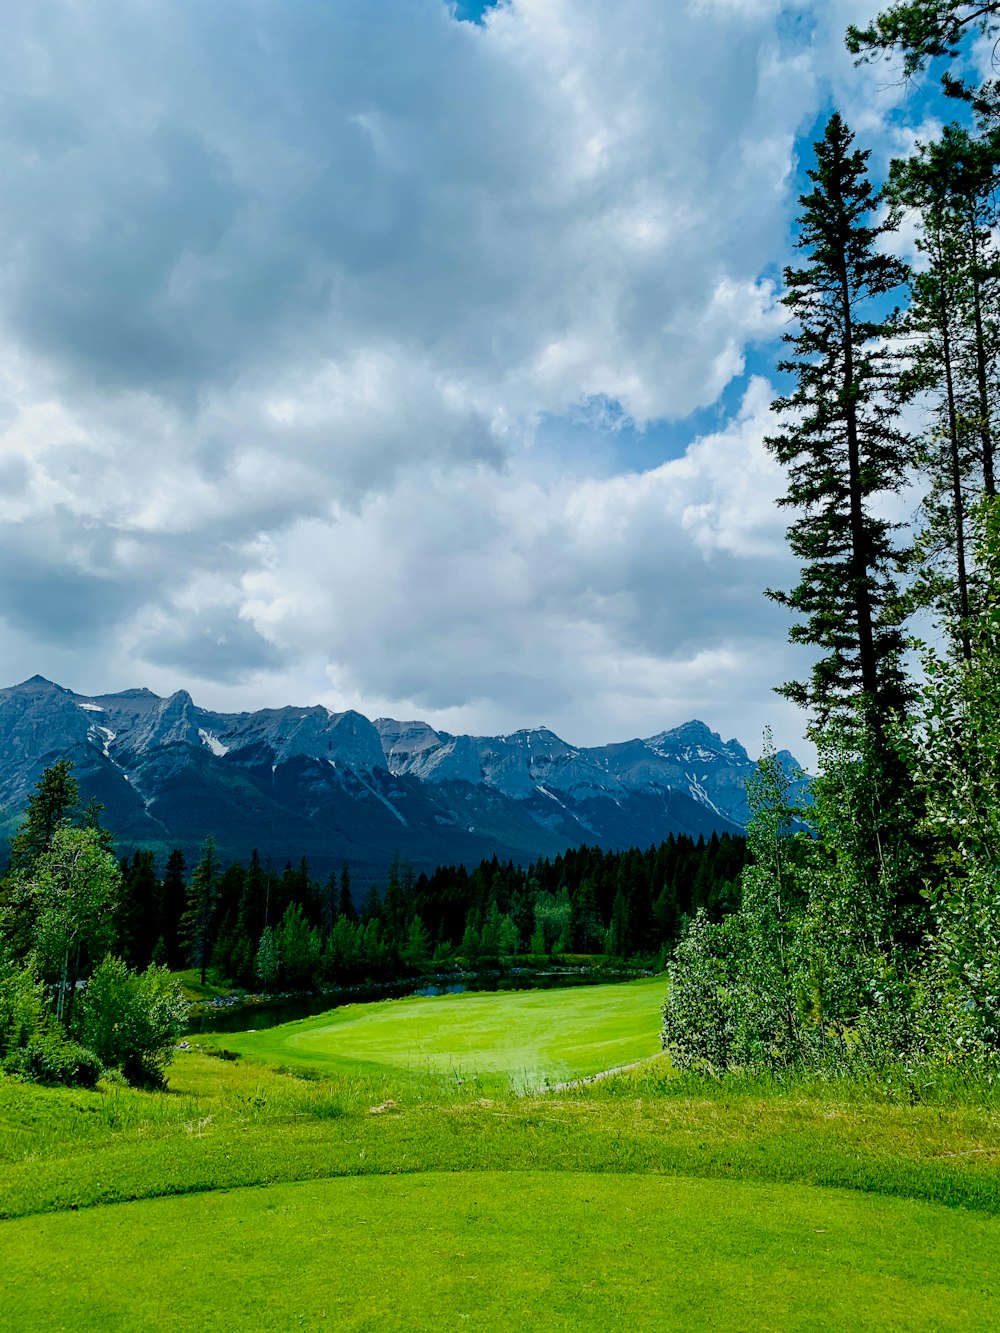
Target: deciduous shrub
x=132 y=1020
x=48 y=1057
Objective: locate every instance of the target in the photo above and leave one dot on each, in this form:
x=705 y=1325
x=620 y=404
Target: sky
x=408 y=356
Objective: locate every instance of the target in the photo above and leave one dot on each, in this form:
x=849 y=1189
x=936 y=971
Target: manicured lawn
x=494 y=1251
x=529 y=1038
x=381 y=1167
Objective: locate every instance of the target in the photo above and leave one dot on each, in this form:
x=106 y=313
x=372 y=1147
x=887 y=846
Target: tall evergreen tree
x=51 y=805
x=198 y=920
x=328 y=903
x=953 y=316
x=142 y=909
x=345 y=904
x=841 y=443
x=254 y=902
x=174 y=900
x=972 y=171
x=228 y=952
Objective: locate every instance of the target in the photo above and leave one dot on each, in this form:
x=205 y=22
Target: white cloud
x=283 y=302
x=504 y=594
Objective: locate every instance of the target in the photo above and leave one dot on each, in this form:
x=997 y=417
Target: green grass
x=529 y=1038
x=529 y=1251
x=370 y=1183
x=195 y=991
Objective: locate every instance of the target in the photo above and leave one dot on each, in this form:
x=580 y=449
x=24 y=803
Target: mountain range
x=338 y=787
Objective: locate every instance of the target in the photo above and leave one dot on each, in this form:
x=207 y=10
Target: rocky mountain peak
x=307 y=779
x=38 y=684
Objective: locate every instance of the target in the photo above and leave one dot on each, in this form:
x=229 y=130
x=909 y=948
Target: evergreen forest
x=265 y=930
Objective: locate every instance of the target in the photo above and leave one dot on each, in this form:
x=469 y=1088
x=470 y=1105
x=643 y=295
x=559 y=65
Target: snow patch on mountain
x=210 y=739
x=524 y=790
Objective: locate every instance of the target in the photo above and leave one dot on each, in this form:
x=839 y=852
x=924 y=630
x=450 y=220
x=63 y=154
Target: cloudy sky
x=406 y=357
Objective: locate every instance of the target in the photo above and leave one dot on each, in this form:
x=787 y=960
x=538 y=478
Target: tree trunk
x=956 y=470
x=985 y=426
x=859 y=564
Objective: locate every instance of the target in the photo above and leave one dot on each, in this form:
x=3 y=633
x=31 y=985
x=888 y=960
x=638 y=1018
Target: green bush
x=47 y=1057
x=132 y=1020
x=32 y=1045
x=699 y=1014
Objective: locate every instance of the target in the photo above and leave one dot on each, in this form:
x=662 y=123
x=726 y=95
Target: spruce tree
x=841 y=444
x=174 y=903
x=142 y=909
x=199 y=918
x=953 y=319
x=253 y=903
x=934 y=319
x=345 y=904
x=971 y=168
x=52 y=805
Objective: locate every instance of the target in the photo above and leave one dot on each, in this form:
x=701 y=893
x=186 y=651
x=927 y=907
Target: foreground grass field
x=531 y=1251
x=368 y=1196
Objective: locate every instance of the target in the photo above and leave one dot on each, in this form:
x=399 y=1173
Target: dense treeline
x=71 y=1008
x=873 y=941
x=264 y=928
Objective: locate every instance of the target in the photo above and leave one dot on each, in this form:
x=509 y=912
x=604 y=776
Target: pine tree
x=971 y=167
x=925 y=30
x=393 y=909
x=198 y=920
x=328 y=912
x=252 y=916
x=142 y=909
x=345 y=904
x=952 y=318
x=617 y=938
x=586 y=930
x=52 y=805
x=841 y=443
x=174 y=903
x=226 y=952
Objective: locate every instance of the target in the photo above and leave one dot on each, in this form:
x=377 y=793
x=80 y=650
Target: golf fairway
x=527 y=1037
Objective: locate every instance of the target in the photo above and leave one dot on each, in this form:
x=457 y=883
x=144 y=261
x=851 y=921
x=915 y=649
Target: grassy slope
x=533 y=1251
x=705 y=1195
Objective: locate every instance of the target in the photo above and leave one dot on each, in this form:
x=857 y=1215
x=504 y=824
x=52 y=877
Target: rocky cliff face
x=336 y=787
x=691 y=760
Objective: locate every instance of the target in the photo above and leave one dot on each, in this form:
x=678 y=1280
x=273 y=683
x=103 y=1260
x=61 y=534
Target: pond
x=269 y=1014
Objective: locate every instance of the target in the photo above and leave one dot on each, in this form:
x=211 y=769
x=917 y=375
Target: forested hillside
x=264 y=928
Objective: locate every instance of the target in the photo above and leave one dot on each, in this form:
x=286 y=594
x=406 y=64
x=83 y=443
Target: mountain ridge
x=336 y=786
